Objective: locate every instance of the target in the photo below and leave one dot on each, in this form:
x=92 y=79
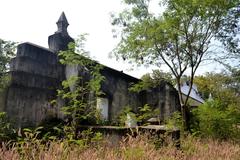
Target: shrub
x=214 y=120
x=6 y=129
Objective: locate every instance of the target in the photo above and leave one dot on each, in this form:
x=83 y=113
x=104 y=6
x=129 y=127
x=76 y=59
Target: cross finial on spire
x=62 y=24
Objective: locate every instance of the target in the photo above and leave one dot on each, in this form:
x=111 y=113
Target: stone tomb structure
x=36 y=73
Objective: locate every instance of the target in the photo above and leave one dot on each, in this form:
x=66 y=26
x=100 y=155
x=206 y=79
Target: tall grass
x=138 y=148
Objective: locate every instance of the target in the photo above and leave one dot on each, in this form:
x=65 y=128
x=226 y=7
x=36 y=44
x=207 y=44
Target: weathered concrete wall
x=26 y=64
x=164 y=97
x=35 y=75
x=37 y=53
x=116 y=91
x=28 y=106
x=31 y=80
x=116 y=87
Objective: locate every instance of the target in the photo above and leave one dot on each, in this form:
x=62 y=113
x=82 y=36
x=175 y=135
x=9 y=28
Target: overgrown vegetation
x=7 y=51
x=140 y=118
x=219 y=117
x=80 y=91
x=7 y=132
x=128 y=148
x=151 y=80
x=180 y=37
x=214 y=120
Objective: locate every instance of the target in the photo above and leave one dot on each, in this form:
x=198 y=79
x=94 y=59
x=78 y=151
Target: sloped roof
x=194 y=94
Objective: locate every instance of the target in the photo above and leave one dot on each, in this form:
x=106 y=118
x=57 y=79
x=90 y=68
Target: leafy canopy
x=179 y=38
x=7 y=51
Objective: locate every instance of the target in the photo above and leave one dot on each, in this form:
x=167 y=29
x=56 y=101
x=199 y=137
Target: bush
x=213 y=119
x=6 y=129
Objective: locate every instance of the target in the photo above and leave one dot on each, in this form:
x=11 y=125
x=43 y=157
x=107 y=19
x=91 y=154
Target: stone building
x=36 y=74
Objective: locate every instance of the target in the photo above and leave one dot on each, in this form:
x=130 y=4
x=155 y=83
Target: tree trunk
x=183 y=107
x=185 y=117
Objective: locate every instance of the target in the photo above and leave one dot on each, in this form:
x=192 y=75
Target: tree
x=229 y=35
x=79 y=91
x=179 y=38
x=224 y=87
x=7 y=51
x=152 y=80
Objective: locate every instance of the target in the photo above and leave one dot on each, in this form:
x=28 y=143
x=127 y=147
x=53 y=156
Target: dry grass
x=138 y=148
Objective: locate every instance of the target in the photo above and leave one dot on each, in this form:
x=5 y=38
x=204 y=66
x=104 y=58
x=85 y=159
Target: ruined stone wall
x=164 y=97
x=35 y=75
x=116 y=89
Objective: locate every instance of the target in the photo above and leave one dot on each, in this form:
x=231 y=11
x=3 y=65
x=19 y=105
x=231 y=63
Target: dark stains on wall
x=36 y=74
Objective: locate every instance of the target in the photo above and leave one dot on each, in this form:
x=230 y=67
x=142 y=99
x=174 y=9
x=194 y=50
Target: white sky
x=34 y=20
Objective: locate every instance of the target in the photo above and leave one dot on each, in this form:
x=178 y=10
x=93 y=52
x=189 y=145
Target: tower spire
x=60 y=39
x=62 y=24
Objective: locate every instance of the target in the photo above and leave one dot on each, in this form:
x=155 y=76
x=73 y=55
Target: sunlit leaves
x=79 y=92
x=179 y=38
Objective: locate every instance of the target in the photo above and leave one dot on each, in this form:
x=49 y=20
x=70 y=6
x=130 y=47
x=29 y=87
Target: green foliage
x=90 y=137
x=133 y=153
x=82 y=138
x=145 y=83
x=4 y=82
x=152 y=80
x=27 y=141
x=222 y=86
x=6 y=129
x=30 y=143
x=219 y=117
x=179 y=38
x=28 y=135
x=229 y=35
x=52 y=128
x=77 y=106
x=127 y=110
x=79 y=91
x=144 y=113
x=7 y=51
x=213 y=119
x=175 y=121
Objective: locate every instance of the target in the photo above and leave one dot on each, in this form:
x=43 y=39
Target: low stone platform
x=116 y=133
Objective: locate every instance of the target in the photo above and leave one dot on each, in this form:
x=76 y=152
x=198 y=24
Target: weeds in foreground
x=129 y=148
